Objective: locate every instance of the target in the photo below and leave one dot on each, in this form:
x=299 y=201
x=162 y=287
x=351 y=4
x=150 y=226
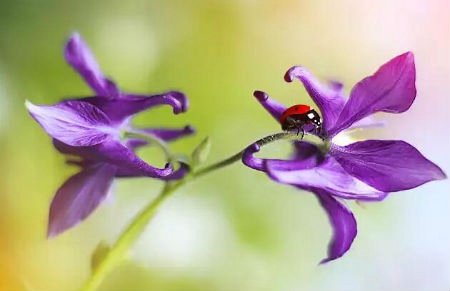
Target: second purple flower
x=91 y=132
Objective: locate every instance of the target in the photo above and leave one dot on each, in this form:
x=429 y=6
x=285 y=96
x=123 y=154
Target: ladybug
x=297 y=116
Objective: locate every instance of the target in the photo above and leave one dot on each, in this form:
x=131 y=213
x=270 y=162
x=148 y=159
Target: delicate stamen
x=133 y=133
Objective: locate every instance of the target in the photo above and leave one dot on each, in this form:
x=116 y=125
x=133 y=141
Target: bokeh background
x=234 y=229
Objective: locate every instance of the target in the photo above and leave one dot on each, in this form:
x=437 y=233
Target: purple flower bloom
x=366 y=170
x=90 y=130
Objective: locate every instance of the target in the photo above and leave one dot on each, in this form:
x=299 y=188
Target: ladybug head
x=314 y=118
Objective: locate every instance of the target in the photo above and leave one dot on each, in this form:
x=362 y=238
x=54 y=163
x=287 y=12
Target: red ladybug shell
x=296 y=109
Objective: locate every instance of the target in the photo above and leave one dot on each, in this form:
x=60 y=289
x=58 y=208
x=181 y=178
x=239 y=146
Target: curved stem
x=128 y=237
x=218 y=165
x=261 y=142
x=139 y=223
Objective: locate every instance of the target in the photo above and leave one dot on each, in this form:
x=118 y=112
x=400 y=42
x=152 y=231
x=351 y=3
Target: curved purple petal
x=119 y=109
x=273 y=107
x=114 y=153
x=80 y=57
x=312 y=171
x=328 y=176
x=307 y=159
x=343 y=223
x=176 y=99
x=330 y=99
x=124 y=158
x=251 y=161
x=73 y=122
x=78 y=197
x=182 y=98
x=387 y=165
x=179 y=173
x=391 y=89
x=175 y=175
x=88 y=156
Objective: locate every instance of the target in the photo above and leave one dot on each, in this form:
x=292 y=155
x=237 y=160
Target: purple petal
x=312 y=171
x=329 y=99
x=387 y=165
x=113 y=152
x=122 y=108
x=80 y=57
x=273 y=107
x=182 y=99
x=308 y=159
x=123 y=171
x=176 y=175
x=328 y=176
x=391 y=89
x=179 y=173
x=169 y=134
x=343 y=223
x=164 y=134
x=176 y=99
x=251 y=161
x=78 y=197
x=73 y=122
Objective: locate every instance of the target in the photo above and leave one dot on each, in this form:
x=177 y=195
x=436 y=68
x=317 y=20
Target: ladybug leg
x=300 y=128
x=299 y=125
x=317 y=130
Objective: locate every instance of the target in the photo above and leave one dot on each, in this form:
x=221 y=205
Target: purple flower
x=90 y=131
x=365 y=170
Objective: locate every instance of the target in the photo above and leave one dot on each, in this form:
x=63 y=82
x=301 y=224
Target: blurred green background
x=234 y=229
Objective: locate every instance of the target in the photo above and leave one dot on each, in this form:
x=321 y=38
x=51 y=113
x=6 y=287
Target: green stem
x=128 y=237
x=218 y=165
x=137 y=226
x=261 y=142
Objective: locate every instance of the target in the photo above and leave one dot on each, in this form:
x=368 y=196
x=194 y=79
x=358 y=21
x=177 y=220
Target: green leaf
x=100 y=252
x=201 y=152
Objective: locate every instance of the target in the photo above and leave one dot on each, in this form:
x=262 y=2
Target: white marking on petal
x=343 y=139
